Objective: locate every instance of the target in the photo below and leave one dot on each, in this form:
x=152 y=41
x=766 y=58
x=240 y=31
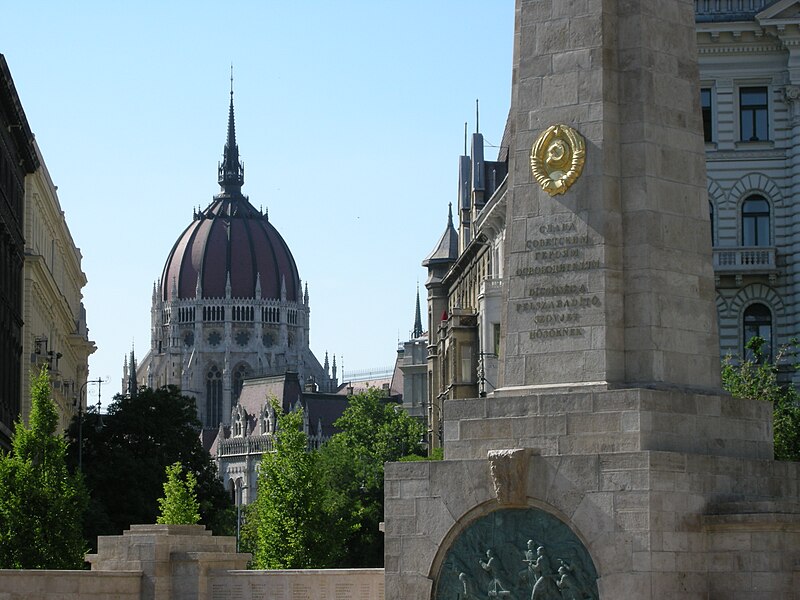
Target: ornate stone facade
x=229 y=304
x=465 y=288
x=239 y=447
x=751 y=107
x=17 y=159
x=42 y=318
x=55 y=332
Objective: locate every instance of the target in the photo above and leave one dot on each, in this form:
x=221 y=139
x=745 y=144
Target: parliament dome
x=230 y=249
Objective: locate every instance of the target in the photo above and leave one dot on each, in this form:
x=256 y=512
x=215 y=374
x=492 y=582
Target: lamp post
x=78 y=400
x=240 y=487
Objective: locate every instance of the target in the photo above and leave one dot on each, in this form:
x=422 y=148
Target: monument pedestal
x=720 y=520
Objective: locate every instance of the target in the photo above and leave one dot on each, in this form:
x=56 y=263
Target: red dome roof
x=230 y=236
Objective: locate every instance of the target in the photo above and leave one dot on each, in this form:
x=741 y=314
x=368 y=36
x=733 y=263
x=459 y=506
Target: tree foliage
x=41 y=503
x=179 y=505
x=124 y=461
x=372 y=432
x=285 y=519
x=323 y=509
x=756 y=377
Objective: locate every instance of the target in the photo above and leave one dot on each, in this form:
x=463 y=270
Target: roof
x=13 y=117
x=230 y=248
x=447 y=248
x=322 y=409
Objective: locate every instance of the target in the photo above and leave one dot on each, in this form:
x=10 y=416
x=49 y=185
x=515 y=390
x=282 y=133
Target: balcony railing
x=728 y=10
x=245 y=445
x=260 y=444
x=752 y=260
x=491 y=285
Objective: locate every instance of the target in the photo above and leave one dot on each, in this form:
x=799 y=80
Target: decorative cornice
x=744 y=154
x=734 y=48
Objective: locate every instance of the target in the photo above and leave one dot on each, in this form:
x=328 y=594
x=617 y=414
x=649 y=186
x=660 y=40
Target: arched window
x=758 y=322
x=213 y=397
x=238 y=422
x=239 y=375
x=755 y=222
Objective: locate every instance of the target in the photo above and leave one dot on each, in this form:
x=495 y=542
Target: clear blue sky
x=350 y=118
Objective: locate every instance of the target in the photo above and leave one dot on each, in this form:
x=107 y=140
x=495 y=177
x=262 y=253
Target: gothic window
x=267 y=419
x=755 y=222
x=758 y=322
x=188 y=339
x=238 y=428
x=214 y=338
x=213 y=397
x=239 y=375
x=705 y=105
x=753 y=110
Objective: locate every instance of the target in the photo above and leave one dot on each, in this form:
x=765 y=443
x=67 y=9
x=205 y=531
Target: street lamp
x=78 y=400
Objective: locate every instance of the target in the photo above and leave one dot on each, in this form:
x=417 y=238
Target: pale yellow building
x=54 y=330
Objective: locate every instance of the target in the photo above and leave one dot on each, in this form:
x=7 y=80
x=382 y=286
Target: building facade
x=42 y=318
x=238 y=448
x=17 y=159
x=55 y=332
x=749 y=59
x=410 y=377
x=465 y=288
x=229 y=304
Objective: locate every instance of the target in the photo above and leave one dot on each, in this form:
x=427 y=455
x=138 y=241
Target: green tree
x=373 y=431
x=756 y=377
x=124 y=461
x=286 y=524
x=41 y=503
x=179 y=505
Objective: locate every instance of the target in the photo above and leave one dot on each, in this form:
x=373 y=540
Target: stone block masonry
x=174 y=562
x=591 y=422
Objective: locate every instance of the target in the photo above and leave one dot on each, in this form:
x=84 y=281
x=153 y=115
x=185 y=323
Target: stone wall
x=667 y=521
x=177 y=562
x=69 y=585
x=305 y=584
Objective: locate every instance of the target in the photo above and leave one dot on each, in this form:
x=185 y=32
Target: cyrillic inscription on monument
x=557 y=293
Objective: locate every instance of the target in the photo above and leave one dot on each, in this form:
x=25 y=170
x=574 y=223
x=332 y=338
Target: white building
x=749 y=57
x=54 y=331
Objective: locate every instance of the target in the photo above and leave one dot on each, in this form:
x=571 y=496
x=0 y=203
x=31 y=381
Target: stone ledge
x=752 y=522
x=640 y=419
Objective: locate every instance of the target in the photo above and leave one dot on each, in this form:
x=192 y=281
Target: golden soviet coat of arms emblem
x=557 y=158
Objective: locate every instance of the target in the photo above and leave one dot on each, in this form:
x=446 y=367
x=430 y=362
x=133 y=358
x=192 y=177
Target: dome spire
x=231 y=170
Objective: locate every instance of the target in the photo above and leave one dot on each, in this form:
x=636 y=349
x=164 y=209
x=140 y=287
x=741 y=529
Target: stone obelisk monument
x=608 y=262
x=608 y=463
